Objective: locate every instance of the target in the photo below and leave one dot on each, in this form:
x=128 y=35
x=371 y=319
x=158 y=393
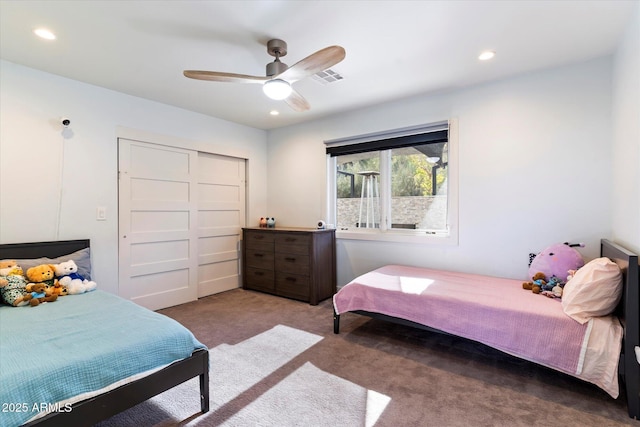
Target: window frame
x=385 y=234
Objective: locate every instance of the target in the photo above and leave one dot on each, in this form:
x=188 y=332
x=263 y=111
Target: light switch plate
x=101 y=213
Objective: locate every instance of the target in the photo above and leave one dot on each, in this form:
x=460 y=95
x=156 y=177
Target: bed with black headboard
x=166 y=355
x=422 y=298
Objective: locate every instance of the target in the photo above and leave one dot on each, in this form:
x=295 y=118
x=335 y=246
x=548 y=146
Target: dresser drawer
x=259 y=259
x=261 y=240
x=256 y=278
x=291 y=263
x=292 y=286
x=293 y=243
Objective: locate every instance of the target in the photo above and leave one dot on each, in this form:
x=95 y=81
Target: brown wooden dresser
x=297 y=263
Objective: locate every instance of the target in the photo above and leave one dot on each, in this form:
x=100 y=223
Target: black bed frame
x=103 y=406
x=628 y=311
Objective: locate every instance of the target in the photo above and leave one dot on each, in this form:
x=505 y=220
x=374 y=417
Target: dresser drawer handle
x=258 y=273
x=258 y=255
x=290 y=239
x=290 y=259
x=290 y=279
x=258 y=237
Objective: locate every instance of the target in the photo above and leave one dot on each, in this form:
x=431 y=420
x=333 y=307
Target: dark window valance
x=389 y=143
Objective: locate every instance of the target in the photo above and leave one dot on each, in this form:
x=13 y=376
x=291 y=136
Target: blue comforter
x=79 y=344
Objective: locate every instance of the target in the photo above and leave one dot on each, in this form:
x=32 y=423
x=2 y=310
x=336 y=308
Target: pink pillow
x=594 y=290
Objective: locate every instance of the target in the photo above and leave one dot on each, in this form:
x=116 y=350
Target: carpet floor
x=431 y=379
x=248 y=372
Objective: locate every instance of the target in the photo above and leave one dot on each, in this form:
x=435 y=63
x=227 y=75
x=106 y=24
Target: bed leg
x=336 y=322
x=204 y=386
x=633 y=400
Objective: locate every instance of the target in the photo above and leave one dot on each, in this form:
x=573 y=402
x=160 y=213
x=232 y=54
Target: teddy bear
x=45 y=274
x=7 y=266
x=37 y=294
x=67 y=275
x=13 y=292
x=538 y=280
x=59 y=289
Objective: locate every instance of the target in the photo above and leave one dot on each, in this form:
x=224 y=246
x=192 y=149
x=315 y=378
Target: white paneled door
x=158 y=215
x=181 y=213
x=221 y=216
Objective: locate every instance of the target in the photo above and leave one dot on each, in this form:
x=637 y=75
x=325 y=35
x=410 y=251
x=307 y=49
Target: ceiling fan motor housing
x=276 y=67
x=277 y=48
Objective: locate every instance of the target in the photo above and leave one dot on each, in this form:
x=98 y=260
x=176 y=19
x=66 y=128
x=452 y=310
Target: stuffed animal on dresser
x=67 y=275
x=14 y=291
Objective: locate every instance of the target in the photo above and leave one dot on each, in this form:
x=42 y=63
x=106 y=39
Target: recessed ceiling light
x=487 y=54
x=44 y=33
x=274 y=112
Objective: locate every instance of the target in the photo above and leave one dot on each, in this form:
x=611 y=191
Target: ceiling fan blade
x=297 y=102
x=215 y=76
x=314 y=63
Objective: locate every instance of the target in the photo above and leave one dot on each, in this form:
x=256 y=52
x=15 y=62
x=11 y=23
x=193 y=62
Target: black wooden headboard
x=41 y=249
x=629 y=311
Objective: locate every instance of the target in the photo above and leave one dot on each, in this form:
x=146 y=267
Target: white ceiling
x=394 y=49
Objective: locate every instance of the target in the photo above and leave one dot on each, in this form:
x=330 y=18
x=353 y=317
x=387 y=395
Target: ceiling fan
x=279 y=77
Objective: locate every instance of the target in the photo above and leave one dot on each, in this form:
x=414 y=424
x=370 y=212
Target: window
x=394 y=185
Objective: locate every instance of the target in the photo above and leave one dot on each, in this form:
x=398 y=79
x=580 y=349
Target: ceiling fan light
x=277 y=89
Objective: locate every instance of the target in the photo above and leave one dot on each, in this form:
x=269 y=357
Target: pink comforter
x=493 y=311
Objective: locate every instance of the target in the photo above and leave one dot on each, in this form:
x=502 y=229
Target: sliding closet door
x=158 y=214
x=221 y=216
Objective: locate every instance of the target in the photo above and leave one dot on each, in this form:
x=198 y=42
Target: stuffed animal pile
x=36 y=287
x=42 y=283
x=552 y=268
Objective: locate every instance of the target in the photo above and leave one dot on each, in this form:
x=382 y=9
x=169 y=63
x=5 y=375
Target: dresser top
x=291 y=229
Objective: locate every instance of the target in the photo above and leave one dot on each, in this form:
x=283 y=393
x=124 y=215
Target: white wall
x=626 y=137
x=31 y=141
x=535 y=163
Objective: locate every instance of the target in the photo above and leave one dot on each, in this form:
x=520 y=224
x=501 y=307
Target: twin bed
x=86 y=357
x=499 y=313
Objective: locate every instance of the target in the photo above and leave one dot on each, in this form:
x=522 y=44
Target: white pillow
x=593 y=291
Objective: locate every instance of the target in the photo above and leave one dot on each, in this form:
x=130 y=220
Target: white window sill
x=399 y=236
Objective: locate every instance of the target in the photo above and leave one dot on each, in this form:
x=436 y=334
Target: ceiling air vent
x=327 y=76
